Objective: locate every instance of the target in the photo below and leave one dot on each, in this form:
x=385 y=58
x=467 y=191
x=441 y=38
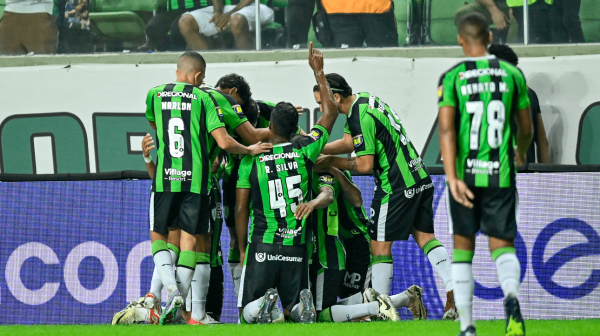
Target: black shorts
x=284 y=268
x=192 y=209
x=393 y=216
x=494 y=213
x=357 y=275
x=214 y=297
x=229 y=190
x=325 y=284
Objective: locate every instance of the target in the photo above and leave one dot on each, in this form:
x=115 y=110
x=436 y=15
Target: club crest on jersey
x=326 y=179
x=316 y=134
x=260 y=257
x=358 y=140
x=238 y=110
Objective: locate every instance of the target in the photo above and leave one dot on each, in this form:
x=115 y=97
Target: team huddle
x=310 y=244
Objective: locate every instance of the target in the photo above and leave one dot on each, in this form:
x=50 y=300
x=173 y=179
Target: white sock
x=441 y=262
x=381 y=278
x=162 y=261
x=352 y=300
x=236 y=274
x=174 y=256
x=462 y=273
x=400 y=300
x=141 y=315
x=184 y=279
x=200 y=284
x=341 y=313
x=156 y=284
x=188 y=298
x=509 y=273
x=250 y=312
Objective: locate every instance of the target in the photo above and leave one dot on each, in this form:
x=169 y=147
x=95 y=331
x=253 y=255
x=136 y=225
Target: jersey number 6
x=176 y=139
x=496 y=115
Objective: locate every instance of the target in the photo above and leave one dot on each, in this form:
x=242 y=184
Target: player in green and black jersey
x=403 y=200
x=483 y=114
x=186 y=122
x=274 y=191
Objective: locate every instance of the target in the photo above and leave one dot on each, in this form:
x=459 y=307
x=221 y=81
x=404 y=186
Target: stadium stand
x=590 y=20
x=2 y=6
x=439 y=21
x=588 y=141
x=403 y=11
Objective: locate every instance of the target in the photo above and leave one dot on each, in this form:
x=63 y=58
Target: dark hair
x=194 y=56
x=285 y=119
x=504 y=52
x=236 y=81
x=337 y=84
x=475 y=27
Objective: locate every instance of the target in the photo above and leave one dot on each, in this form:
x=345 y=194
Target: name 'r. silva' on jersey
x=282 y=166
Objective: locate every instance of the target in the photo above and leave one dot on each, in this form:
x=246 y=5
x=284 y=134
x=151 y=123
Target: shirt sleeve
x=318 y=139
x=233 y=116
x=244 y=172
x=213 y=119
x=445 y=91
x=149 y=106
x=364 y=138
x=522 y=92
x=326 y=180
x=347 y=129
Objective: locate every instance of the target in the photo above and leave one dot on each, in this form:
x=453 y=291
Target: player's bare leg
x=188 y=26
x=241 y=32
x=462 y=274
x=509 y=273
x=440 y=261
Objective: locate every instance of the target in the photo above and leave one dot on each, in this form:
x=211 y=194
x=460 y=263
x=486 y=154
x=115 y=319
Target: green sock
x=202 y=258
x=174 y=249
x=382 y=259
x=462 y=256
x=325 y=316
x=187 y=259
x=501 y=251
x=430 y=245
x=159 y=245
x=234 y=255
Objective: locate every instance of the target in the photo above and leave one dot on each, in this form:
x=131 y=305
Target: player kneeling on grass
x=274 y=191
x=481 y=100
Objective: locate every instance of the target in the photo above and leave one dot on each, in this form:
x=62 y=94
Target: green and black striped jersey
x=327 y=218
x=279 y=181
x=353 y=220
x=487 y=93
x=264 y=113
x=184 y=116
x=377 y=130
x=216 y=255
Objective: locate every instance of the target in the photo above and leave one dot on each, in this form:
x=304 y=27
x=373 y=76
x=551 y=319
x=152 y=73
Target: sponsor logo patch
x=358 y=140
x=440 y=91
x=260 y=257
x=238 y=110
x=410 y=193
x=316 y=134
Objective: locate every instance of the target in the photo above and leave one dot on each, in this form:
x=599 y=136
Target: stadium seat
x=439 y=20
x=2 y=6
x=590 y=20
x=588 y=140
x=116 y=20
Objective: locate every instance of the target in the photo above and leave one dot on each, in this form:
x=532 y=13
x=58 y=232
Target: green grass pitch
x=404 y=328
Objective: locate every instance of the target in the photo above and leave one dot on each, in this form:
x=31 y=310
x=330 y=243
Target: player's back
x=376 y=129
x=184 y=116
x=279 y=181
x=487 y=92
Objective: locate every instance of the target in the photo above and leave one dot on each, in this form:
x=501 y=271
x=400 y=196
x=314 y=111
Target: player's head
x=473 y=31
x=284 y=120
x=236 y=86
x=191 y=68
x=504 y=52
x=339 y=87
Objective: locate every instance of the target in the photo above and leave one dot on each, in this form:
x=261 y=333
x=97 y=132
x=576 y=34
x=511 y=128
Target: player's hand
x=519 y=158
x=461 y=192
x=259 y=148
x=315 y=58
x=303 y=210
x=147 y=145
x=299 y=109
x=322 y=164
x=222 y=22
x=215 y=17
x=500 y=20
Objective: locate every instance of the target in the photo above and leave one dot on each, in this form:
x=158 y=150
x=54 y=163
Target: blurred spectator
x=566 y=25
x=28 y=26
x=353 y=22
x=208 y=21
x=539 y=19
x=299 y=14
x=73 y=21
x=539 y=144
x=158 y=28
x=495 y=11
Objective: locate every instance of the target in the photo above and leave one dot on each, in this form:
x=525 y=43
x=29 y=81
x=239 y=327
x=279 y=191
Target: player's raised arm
x=341 y=146
x=350 y=191
x=330 y=111
x=228 y=144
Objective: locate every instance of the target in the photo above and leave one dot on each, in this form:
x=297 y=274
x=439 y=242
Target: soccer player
x=274 y=190
x=186 y=122
x=403 y=201
x=480 y=101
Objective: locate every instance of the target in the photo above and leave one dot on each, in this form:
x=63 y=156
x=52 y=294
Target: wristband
x=148 y=159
